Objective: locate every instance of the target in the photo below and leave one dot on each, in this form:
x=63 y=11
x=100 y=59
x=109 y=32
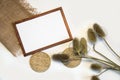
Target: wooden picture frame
x=43 y=31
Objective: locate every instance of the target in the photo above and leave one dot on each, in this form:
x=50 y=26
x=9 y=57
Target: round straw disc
x=72 y=63
x=40 y=61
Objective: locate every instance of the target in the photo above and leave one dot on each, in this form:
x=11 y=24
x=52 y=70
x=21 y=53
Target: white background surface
x=80 y=15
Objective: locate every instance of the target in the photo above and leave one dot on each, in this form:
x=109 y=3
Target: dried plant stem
x=111 y=48
x=99 y=60
x=102 y=72
x=105 y=56
x=111 y=66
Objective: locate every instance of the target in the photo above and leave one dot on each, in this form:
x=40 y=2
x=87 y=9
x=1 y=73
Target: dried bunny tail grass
x=60 y=57
x=101 y=34
x=95 y=77
x=96 y=67
x=76 y=46
x=28 y=7
x=83 y=46
x=91 y=35
x=99 y=30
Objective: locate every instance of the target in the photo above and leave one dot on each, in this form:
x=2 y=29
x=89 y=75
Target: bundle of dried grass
x=10 y=12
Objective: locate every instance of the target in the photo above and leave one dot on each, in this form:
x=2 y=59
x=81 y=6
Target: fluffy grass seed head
x=96 y=67
x=83 y=46
x=99 y=31
x=91 y=35
x=76 y=46
x=95 y=77
x=60 y=57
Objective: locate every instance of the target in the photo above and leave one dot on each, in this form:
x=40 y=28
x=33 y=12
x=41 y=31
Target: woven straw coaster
x=40 y=62
x=72 y=63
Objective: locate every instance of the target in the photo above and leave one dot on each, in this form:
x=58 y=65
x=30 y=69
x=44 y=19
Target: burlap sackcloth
x=10 y=12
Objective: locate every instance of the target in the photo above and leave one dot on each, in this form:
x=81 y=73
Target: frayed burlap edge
x=28 y=6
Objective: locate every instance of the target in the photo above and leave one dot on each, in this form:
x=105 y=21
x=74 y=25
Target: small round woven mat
x=72 y=63
x=40 y=61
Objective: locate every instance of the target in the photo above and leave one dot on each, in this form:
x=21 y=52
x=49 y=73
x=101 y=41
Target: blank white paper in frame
x=43 y=31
